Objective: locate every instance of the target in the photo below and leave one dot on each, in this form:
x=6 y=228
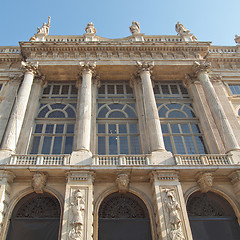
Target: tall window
x=54 y=125
x=235 y=89
x=180 y=126
x=117 y=126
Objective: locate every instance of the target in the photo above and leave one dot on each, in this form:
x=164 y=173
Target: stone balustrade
x=10 y=49
x=222 y=49
x=208 y=159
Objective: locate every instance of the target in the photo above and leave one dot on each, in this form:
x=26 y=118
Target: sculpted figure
x=90 y=28
x=122 y=182
x=205 y=181
x=78 y=206
x=45 y=27
x=135 y=28
x=180 y=29
x=39 y=181
x=173 y=207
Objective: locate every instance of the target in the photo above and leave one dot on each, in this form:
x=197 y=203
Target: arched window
x=36 y=216
x=180 y=126
x=117 y=126
x=54 y=125
x=123 y=216
x=212 y=217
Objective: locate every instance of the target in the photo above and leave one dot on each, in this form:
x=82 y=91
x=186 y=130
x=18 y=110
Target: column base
x=5 y=156
x=162 y=158
x=81 y=157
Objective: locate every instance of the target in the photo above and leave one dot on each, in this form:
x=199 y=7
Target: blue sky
x=209 y=20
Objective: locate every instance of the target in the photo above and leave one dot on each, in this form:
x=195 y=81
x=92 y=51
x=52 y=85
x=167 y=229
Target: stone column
x=150 y=107
x=8 y=94
x=170 y=208
x=136 y=84
x=16 y=120
x=78 y=208
x=6 y=178
x=85 y=108
x=220 y=118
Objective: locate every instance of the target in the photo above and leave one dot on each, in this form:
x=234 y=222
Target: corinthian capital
x=144 y=66
x=88 y=67
x=198 y=67
x=29 y=67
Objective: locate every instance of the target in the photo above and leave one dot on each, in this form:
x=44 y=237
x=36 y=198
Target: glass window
x=180 y=126
x=235 y=88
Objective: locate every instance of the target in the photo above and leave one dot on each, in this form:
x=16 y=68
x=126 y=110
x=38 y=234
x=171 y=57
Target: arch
x=212 y=217
x=35 y=216
x=23 y=193
x=102 y=202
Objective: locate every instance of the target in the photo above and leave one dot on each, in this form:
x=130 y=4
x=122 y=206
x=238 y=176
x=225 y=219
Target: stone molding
x=205 y=181
x=164 y=176
x=80 y=176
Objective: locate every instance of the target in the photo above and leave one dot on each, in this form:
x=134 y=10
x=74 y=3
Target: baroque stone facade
x=132 y=138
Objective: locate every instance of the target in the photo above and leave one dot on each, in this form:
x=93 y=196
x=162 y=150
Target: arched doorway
x=123 y=217
x=212 y=217
x=35 y=217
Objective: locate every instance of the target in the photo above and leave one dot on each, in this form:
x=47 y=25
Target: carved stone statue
x=78 y=206
x=205 y=181
x=184 y=33
x=135 y=28
x=175 y=231
x=122 y=182
x=39 y=181
x=42 y=32
x=90 y=28
x=237 y=39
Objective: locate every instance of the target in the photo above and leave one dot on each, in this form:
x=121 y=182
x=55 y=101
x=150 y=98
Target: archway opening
x=123 y=217
x=212 y=217
x=36 y=216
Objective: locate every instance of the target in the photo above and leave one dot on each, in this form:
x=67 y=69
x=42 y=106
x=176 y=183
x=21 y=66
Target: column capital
x=135 y=79
x=31 y=67
x=16 y=76
x=200 y=67
x=88 y=67
x=144 y=66
x=41 y=79
x=188 y=80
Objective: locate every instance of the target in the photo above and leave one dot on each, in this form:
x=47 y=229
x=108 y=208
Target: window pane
x=58 y=106
x=59 y=128
x=174 y=89
x=46 y=145
x=70 y=128
x=179 y=145
x=116 y=106
x=49 y=128
x=116 y=114
x=133 y=128
x=135 y=147
x=165 y=89
x=113 y=145
x=56 y=114
x=183 y=89
x=101 y=90
x=43 y=112
x=47 y=90
x=122 y=128
x=110 y=89
x=65 y=89
x=102 y=113
x=185 y=128
x=112 y=129
x=189 y=112
x=130 y=112
x=120 y=89
x=101 y=128
x=38 y=128
x=56 y=89
x=156 y=89
x=189 y=145
x=35 y=146
x=68 y=145
x=176 y=114
x=174 y=106
x=57 y=145
x=175 y=128
x=101 y=146
x=168 y=144
x=70 y=112
x=200 y=145
x=129 y=89
x=234 y=88
x=123 y=145
x=164 y=128
x=74 y=90
x=195 y=128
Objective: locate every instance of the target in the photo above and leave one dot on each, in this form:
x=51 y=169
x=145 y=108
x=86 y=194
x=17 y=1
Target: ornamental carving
x=88 y=67
x=39 y=181
x=122 y=182
x=135 y=28
x=42 y=32
x=185 y=33
x=29 y=67
x=198 y=67
x=77 y=207
x=144 y=66
x=90 y=28
x=205 y=181
x=237 y=39
x=235 y=179
x=174 y=219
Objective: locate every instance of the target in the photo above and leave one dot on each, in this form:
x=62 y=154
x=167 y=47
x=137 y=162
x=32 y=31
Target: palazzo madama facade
x=109 y=139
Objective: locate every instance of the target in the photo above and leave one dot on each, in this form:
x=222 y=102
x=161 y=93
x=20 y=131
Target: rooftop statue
x=135 y=28
x=90 y=28
x=45 y=27
x=42 y=32
x=184 y=33
x=237 y=39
